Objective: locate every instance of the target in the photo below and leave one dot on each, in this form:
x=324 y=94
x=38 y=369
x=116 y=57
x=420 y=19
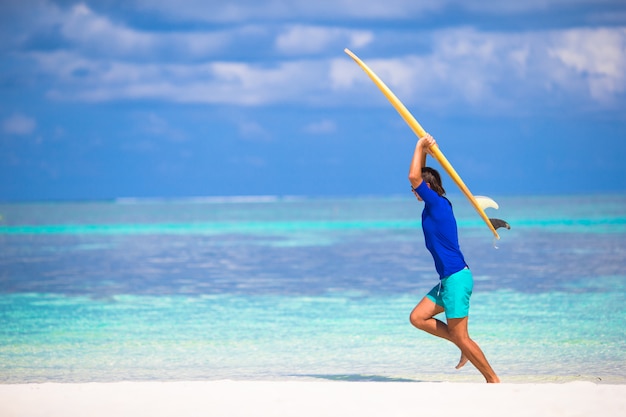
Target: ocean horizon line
x=269 y=198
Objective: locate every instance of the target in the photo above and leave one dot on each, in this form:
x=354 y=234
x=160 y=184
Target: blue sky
x=158 y=98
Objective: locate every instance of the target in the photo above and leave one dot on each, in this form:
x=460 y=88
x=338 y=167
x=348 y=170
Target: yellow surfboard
x=479 y=203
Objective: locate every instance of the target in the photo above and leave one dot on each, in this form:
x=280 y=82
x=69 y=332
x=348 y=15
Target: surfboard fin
x=497 y=223
x=486 y=202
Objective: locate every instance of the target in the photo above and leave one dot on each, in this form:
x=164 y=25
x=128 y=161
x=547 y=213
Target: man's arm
x=419 y=159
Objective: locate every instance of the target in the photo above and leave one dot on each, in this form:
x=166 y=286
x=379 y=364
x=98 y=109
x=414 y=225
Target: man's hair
x=432 y=177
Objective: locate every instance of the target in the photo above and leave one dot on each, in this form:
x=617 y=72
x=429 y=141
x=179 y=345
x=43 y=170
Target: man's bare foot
x=462 y=361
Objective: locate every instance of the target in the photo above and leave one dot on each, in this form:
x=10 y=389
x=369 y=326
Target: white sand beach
x=311 y=398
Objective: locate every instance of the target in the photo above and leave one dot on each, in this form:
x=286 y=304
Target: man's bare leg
x=457 y=329
x=422 y=317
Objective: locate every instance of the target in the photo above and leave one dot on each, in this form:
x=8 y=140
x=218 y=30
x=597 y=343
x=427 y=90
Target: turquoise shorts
x=454 y=294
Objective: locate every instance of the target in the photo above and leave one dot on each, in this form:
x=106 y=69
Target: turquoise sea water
x=295 y=288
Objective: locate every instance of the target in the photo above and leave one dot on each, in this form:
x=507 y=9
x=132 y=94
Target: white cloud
x=597 y=55
x=81 y=29
x=19 y=124
x=83 y=26
x=253 y=131
x=96 y=34
x=457 y=66
x=302 y=39
x=465 y=67
x=215 y=82
x=158 y=126
x=321 y=127
x=503 y=70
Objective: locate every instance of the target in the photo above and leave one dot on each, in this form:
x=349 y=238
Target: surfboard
x=479 y=204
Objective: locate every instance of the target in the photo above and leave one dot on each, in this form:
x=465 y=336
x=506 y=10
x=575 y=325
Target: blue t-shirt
x=440 y=232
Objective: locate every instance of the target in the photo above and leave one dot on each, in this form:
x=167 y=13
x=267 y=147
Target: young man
x=453 y=292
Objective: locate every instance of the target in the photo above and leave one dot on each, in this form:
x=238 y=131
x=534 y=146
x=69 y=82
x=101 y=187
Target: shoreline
x=311 y=398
